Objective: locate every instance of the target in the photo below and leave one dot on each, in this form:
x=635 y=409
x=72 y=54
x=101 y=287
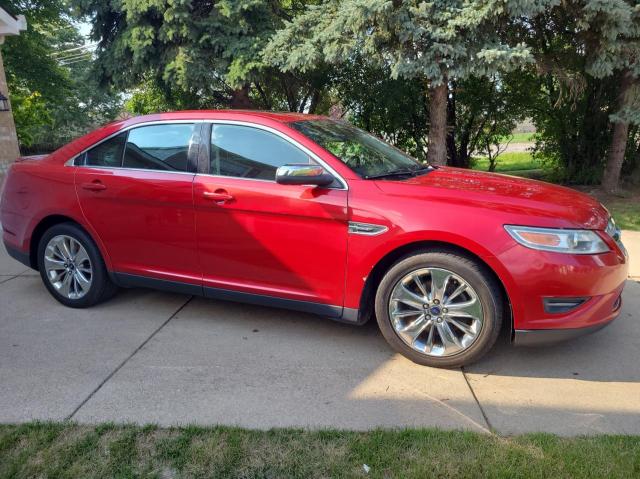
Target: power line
x=73 y=57
x=76 y=61
x=88 y=45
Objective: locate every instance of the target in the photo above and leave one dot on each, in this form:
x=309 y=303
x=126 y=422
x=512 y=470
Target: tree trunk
x=315 y=99
x=452 y=151
x=615 y=158
x=437 y=147
x=240 y=98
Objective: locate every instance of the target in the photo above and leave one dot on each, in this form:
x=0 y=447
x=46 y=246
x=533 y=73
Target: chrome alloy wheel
x=435 y=312
x=68 y=266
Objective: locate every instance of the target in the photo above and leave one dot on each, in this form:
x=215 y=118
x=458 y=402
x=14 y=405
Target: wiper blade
x=411 y=172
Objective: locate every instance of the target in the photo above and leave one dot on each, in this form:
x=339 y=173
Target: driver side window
x=247 y=152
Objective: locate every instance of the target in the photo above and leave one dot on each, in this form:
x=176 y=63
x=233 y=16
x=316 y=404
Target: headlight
x=558 y=240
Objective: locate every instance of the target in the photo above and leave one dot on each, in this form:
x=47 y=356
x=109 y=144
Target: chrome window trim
x=312 y=155
x=71 y=161
x=125 y=168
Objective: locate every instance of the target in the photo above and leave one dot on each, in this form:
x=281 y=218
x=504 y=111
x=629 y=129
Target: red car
x=307 y=213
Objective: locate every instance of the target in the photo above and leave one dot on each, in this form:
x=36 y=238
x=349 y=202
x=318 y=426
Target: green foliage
x=52 y=102
x=147 y=98
x=432 y=41
x=582 y=49
x=394 y=109
x=31 y=116
x=197 y=54
x=483 y=112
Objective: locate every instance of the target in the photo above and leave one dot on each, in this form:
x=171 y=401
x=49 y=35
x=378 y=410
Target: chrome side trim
x=125 y=168
x=285 y=137
x=366 y=229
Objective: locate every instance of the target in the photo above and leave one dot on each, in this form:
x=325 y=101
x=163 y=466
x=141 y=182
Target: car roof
x=255 y=115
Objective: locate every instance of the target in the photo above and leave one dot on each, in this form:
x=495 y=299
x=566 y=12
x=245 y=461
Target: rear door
x=135 y=189
x=257 y=236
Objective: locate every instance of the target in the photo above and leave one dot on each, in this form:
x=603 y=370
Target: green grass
x=625 y=212
x=509 y=162
x=521 y=137
x=63 y=450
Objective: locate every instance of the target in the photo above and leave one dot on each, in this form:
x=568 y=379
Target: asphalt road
x=151 y=357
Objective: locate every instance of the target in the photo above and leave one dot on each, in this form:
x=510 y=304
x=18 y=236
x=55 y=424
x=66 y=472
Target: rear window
x=108 y=153
x=159 y=147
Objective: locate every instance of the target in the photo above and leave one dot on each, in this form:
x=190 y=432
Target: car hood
x=524 y=201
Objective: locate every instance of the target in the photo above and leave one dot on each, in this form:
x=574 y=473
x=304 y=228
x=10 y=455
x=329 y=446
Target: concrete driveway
x=147 y=356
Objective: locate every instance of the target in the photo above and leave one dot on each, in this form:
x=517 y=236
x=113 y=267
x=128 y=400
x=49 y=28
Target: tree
x=431 y=42
x=587 y=55
x=612 y=38
x=54 y=96
x=199 y=53
x=371 y=99
x=482 y=112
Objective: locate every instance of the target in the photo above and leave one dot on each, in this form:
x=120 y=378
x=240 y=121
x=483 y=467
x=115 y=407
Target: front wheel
x=439 y=308
x=72 y=268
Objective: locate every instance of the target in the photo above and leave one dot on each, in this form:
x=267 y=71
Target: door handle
x=219 y=196
x=94 y=186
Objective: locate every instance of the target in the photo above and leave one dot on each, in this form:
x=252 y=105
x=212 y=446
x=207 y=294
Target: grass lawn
x=626 y=211
x=521 y=137
x=508 y=162
x=66 y=450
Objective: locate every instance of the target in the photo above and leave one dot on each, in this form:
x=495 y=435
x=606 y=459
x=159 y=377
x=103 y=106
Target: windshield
x=365 y=154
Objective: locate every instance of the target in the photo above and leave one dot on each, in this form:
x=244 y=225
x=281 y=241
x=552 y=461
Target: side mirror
x=303 y=175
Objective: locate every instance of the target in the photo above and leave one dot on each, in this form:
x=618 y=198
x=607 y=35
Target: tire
x=95 y=287
x=481 y=298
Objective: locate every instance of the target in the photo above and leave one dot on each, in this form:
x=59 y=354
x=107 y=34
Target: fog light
x=618 y=303
x=561 y=305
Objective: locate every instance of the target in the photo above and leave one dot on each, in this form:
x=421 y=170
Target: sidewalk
x=631 y=240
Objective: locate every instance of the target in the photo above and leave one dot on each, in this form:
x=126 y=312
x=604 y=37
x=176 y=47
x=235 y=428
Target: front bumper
x=548 y=337
x=607 y=308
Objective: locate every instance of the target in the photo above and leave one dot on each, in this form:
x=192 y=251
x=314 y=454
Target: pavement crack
x=121 y=365
x=482 y=411
x=4 y=279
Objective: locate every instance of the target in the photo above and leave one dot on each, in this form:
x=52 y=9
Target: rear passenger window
x=159 y=147
x=107 y=153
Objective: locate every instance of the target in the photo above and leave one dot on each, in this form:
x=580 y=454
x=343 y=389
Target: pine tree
x=434 y=42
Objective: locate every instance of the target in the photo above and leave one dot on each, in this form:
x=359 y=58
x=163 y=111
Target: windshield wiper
x=401 y=172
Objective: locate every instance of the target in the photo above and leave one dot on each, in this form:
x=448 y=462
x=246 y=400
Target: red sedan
x=307 y=213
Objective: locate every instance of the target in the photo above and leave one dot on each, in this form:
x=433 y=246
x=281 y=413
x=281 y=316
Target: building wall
x=8 y=140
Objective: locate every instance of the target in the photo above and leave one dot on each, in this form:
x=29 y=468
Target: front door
x=256 y=236
x=136 y=191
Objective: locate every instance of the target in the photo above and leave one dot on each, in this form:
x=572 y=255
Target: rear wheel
x=72 y=268
x=439 y=308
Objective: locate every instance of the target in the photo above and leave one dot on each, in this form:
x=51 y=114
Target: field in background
x=521 y=138
x=68 y=450
x=518 y=161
